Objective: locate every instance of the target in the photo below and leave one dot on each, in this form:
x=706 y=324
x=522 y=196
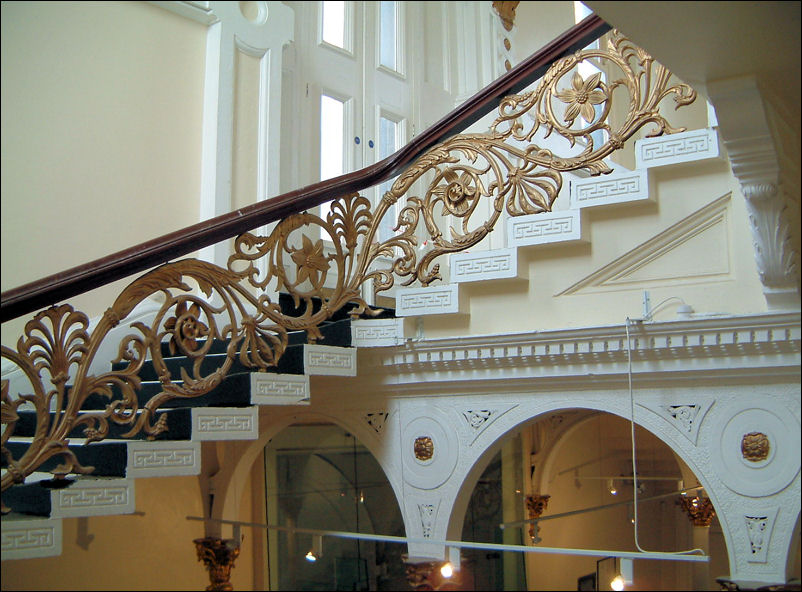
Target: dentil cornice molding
x=736 y=348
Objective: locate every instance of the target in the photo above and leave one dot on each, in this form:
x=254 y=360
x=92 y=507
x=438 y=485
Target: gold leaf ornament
x=582 y=96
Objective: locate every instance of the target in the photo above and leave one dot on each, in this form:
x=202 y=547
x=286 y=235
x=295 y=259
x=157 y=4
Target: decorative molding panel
x=479 y=418
x=543 y=229
x=625 y=187
x=279 y=389
x=30 y=538
x=759 y=527
x=93 y=497
x=376 y=420
x=215 y=423
x=434 y=471
x=377 y=332
x=676 y=148
x=428 y=518
x=163 y=459
x=702 y=238
x=685 y=416
x=432 y=300
x=328 y=360
x=768 y=473
x=481 y=266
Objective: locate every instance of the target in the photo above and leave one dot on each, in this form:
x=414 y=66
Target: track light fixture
x=316 y=552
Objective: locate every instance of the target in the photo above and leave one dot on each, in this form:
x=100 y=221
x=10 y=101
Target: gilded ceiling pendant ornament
x=204 y=305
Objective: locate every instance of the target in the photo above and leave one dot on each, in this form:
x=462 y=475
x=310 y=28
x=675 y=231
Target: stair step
x=682 y=147
x=28 y=538
x=108 y=457
x=616 y=188
x=75 y=496
x=481 y=266
x=549 y=228
x=432 y=300
x=178 y=420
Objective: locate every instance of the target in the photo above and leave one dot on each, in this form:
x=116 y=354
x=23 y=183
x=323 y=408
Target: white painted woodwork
x=328 y=360
x=163 y=459
x=377 y=332
x=432 y=300
x=544 y=229
x=677 y=148
x=268 y=388
x=480 y=266
x=28 y=538
x=616 y=188
x=93 y=496
x=217 y=423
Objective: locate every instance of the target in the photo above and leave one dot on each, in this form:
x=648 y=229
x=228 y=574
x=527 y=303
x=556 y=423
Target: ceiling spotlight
x=617 y=583
x=447 y=570
x=611 y=487
x=316 y=552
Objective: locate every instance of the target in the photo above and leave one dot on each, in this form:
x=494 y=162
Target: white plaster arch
x=454 y=494
x=228 y=483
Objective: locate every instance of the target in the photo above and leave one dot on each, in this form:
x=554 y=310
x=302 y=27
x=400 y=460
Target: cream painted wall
x=101 y=142
x=148 y=551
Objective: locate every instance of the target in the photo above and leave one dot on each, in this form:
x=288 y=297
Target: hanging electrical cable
x=634 y=461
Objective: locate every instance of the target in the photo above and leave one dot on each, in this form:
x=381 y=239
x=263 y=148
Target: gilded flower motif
x=582 y=96
x=186 y=327
x=457 y=193
x=311 y=262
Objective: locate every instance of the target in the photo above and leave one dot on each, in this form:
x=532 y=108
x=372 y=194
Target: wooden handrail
x=77 y=280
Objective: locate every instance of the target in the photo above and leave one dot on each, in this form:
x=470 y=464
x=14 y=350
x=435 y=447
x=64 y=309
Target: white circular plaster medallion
x=769 y=475
x=432 y=472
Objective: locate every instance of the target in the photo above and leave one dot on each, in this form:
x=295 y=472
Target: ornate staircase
x=216 y=387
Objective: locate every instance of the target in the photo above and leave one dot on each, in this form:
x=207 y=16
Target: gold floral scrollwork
x=218 y=555
x=699 y=509
x=755 y=446
x=424 y=448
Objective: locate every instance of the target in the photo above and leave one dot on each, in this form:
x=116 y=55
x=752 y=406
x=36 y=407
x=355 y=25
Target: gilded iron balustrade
x=204 y=303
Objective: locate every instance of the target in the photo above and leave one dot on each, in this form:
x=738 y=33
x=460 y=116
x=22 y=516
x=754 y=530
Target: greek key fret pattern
x=676 y=148
x=538 y=229
x=427 y=301
x=613 y=189
x=279 y=389
x=94 y=498
x=225 y=424
x=328 y=360
x=490 y=265
x=367 y=333
x=31 y=538
x=157 y=459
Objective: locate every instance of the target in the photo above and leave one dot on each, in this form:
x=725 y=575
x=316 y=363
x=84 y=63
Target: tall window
x=388 y=35
x=390 y=139
x=333 y=22
x=332 y=141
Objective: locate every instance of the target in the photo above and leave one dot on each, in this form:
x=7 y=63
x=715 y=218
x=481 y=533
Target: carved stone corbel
x=757 y=160
x=535 y=506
